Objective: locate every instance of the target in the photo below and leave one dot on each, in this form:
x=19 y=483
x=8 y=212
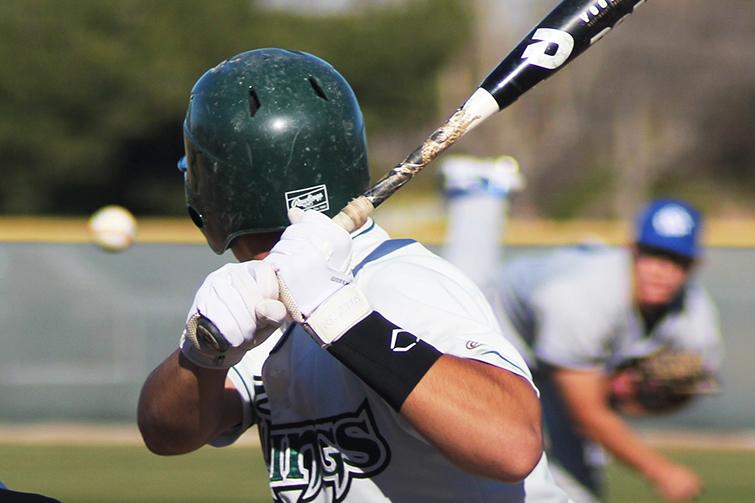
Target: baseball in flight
x=112 y=228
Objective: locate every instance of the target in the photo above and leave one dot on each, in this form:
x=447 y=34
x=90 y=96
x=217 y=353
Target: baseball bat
x=565 y=33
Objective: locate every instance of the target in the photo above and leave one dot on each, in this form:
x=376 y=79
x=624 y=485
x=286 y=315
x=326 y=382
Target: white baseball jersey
x=327 y=436
x=573 y=308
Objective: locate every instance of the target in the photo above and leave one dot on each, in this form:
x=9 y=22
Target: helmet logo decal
x=311 y=198
x=673 y=221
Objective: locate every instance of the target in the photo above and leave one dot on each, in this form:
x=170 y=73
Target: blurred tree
x=94 y=91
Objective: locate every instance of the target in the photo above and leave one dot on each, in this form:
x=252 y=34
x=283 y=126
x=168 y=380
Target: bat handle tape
x=354 y=214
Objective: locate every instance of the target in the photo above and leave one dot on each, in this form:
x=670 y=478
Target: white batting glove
x=234 y=310
x=313 y=262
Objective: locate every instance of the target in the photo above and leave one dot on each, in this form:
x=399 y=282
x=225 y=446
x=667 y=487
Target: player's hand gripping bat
x=565 y=33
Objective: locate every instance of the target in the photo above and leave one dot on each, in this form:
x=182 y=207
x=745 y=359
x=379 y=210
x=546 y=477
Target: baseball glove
x=665 y=381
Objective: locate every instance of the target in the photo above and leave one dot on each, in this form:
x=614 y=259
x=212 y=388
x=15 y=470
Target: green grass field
x=131 y=474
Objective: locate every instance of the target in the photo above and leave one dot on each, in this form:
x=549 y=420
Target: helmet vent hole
x=316 y=86
x=195 y=217
x=254 y=102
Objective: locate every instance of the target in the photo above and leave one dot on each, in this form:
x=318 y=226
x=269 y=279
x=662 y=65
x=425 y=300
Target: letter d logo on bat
x=536 y=54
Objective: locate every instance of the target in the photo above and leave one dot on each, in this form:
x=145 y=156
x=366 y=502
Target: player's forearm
x=483 y=418
x=584 y=392
x=610 y=430
x=182 y=406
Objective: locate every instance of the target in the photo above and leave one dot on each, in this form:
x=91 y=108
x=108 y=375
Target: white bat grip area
x=354 y=214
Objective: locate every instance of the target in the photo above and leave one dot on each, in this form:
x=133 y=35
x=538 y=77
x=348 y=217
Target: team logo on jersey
x=323 y=455
x=311 y=198
x=552 y=48
x=673 y=221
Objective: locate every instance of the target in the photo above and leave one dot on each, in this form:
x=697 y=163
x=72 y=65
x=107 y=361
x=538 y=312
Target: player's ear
x=254 y=246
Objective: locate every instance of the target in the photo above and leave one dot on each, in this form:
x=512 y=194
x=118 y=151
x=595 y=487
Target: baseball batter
x=578 y=315
x=398 y=385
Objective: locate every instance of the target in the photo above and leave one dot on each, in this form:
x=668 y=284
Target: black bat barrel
x=564 y=34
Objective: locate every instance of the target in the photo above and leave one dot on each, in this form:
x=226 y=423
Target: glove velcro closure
x=334 y=317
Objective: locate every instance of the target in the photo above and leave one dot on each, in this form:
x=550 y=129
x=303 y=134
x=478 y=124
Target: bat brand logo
x=311 y=198
x=319 y=459
x=594 y=12
x=552 y=49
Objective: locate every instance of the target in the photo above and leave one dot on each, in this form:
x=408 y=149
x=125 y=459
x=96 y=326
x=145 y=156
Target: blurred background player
x=584 y=317
x=390 y=388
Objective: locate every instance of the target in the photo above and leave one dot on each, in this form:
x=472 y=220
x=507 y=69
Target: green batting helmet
x=265 y=131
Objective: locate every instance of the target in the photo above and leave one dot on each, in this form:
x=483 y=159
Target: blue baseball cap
x=671 y=225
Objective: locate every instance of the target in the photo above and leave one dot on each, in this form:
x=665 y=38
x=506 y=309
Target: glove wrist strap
x=389 y=359
x=204 y=345
x=334 y=317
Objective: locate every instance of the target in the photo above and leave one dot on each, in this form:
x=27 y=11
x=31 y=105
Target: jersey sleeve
x=422 y=293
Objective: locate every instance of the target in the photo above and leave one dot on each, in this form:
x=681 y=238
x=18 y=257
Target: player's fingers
x=227 y=313
x=295 y=215
x=264 y=275
x=270 y=312
x=294 y=257
x=228 y=306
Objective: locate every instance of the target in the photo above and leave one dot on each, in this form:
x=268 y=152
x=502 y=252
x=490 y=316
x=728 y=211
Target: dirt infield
x=124 y=434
